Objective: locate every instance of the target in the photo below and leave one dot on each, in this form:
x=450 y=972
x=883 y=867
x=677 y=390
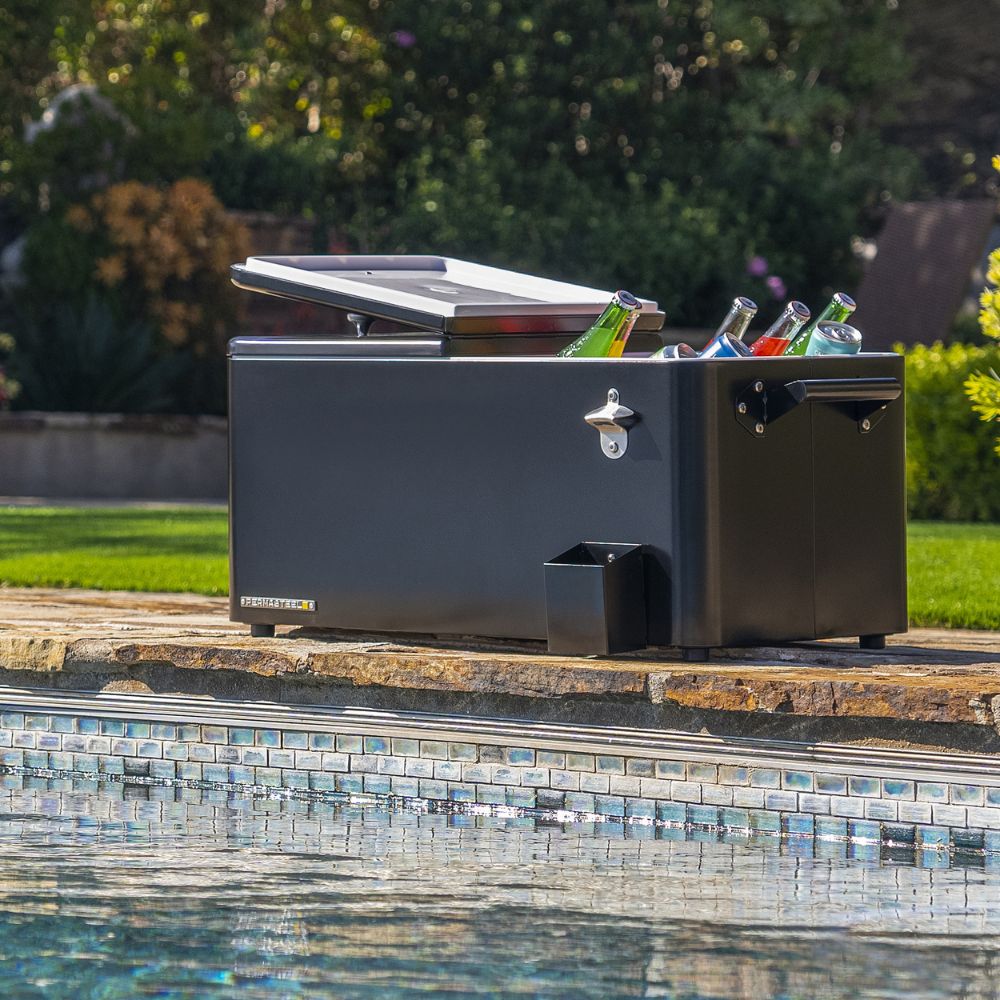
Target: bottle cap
x=744 y=305
x=800 y=309
x=627 y=299
x=843 y=299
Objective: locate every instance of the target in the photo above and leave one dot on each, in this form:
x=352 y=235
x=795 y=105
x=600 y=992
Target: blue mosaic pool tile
x=6 y=738
x=188 y=732
x=176 y=751
x=86 y=762
x=434 y=749
x=61 y=761
x=464 y=752
x=149 y=748
x=523 y=797
x=863 y=786
x=748 y=798
x=765 y=777
x=137 y=730
x=949 y=815
x=609 y=764
x=707 y=773
x=581 y=761
x=88 y=726
x=112 y=727
x=491 y=795
x=762 y=820
x=74 y=743
x=968 y=840
x=815 y=804
x=591 y=781
x=672 y=769
x=967 y=795
x=26 y=741
x=36 y=758
x=864 y=829
x=932 y=791
x=204 y=753
x=717 y=795
x=897 y=788
x=991 y=841
x=335 y=762
x=609 y=805
x=163 y=731
x=322 y=741
x=881 y=809
x=565 y=781
x=897 y=833
x=685 y=791
x=388 y=764
x=623 y=784
x=784 y=801
x=671 y=812
x=479 y=774
x=580 y=802
x=37 y=723
x=734 y=774
x=417 y=767
x=299 y=779
x=843 y=805
x=63 y=724
x=48 y=741
x=163 y=769
x=281 y=758
x=831 y=784
x=270 y=777
x=799 y=824
x=640 y=808
x=215 y=772
x=986 y=818
x=734 y=819
x=188 y=771
x=431 y=788
x=98 y=744
x=933 y=836
x=12 y=720
x=915 y=812
x=110 y=765
x=12 y=758
x=238 y=736
x=520 y=756
x=830 y=826
x=702 y=815
x=447 y=770
x=215 y=734
x=321 y=781
x=550 y=758
x=404 y=747
x=377 y=744
x=993 y=796
x=549 y=798
x=240 y=774
x=797 y=781
x=139 y=768
x=308 y=760
x=270 y=738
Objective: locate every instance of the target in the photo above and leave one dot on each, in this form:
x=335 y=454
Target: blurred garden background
x=685 y=149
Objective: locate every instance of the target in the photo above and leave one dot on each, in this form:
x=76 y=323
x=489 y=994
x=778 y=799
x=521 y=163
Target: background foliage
x=951 y=470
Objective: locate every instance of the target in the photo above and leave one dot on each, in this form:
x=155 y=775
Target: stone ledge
x=183 y=643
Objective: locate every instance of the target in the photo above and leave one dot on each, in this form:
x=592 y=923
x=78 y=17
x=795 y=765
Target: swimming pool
x=113 y=890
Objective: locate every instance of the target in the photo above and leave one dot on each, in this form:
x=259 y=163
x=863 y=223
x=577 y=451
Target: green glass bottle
x=607 y=337
x=841 y=306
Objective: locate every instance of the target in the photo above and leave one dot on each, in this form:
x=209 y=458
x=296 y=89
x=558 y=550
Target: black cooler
x=449 y=475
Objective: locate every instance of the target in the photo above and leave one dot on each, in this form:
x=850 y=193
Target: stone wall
x=103 y=456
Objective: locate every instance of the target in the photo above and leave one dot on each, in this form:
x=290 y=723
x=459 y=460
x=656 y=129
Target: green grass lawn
x=954 y=568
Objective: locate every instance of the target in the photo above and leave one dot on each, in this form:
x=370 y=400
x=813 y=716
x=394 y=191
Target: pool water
x=114 y=891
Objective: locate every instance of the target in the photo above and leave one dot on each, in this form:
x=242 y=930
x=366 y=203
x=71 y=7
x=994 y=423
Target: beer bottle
x=781 y=332
x=834 y=338
x=737 y=320
x=606 y=338
x=841 y=306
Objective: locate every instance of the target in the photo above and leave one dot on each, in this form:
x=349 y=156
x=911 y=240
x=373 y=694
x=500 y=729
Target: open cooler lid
x=435 y=293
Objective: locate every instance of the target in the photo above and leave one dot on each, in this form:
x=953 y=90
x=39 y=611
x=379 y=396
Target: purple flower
x=404 y=39
x=776 y=286
x=757 y=266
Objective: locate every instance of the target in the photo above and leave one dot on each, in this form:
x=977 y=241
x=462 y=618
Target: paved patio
x=929 y=687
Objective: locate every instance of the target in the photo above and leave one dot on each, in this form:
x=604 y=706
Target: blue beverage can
x=725 y=346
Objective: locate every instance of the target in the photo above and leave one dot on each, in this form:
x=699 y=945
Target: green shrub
x=951 y=471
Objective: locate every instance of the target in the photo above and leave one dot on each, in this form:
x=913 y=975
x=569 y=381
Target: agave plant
x=91 y=361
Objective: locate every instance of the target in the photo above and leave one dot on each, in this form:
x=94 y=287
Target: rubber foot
x=262 y=631
x=872 y=642
x=697 y=654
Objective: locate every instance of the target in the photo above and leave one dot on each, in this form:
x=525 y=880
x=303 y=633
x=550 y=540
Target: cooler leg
x=872 y=641
x=696 y=654
x=262 y=631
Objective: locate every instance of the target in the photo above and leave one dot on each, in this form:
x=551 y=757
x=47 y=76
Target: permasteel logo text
x=278 y=603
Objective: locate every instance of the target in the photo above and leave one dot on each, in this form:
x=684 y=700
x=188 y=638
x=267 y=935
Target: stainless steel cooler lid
x=435 y=293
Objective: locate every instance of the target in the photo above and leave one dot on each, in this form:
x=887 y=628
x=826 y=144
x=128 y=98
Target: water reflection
x=117 y=891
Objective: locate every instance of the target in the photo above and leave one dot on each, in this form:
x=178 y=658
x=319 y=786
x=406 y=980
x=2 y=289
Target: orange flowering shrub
x=166 y=252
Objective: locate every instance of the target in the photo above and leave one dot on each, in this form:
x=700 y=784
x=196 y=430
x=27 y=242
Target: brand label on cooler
x=278 y=603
